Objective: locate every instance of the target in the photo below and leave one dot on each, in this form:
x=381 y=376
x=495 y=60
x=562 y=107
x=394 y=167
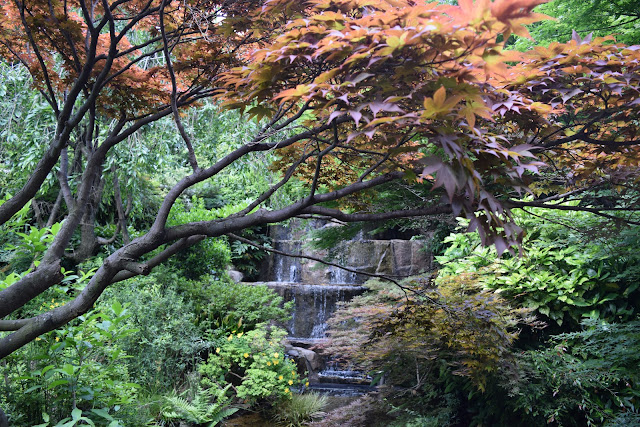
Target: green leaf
x=102 y=412
x=116 y=307
x=67 y=369
x=76 y=414
x=35 y=387
x=56 y=383
x=631 y=288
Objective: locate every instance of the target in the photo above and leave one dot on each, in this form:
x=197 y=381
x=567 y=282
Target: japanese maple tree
x=353 y=94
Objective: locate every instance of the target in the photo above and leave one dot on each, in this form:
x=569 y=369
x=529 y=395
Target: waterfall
x=313 y=306
x=317 y=289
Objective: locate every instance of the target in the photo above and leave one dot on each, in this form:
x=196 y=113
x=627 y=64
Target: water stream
x=316 y=291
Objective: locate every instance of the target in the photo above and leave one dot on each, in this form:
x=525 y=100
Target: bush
x=588 y=377
x=226 y=306
x=167 y=343
x=254 y=363
x=210 y=256
x=79 y=370
x=457 y=321
x=565 y=274
x=366 y=411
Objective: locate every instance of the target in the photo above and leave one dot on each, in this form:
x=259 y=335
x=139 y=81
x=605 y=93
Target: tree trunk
x=4 y=422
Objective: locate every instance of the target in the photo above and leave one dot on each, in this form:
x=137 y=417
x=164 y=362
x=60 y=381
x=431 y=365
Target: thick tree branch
x=264 y=196
x=380 y=216
x=203 y=174
x=173 y=249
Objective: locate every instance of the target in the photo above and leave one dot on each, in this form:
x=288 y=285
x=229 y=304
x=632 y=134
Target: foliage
x=23 y=244
x=200 y=410
x=567 y=272
x=246 y=258
x=300 y=409
x=330 y=237
x=470 y=328
x=254 y=363
x=355 y=95
x=226 y=306
x=207 y=257
x=26 y=124
x=81 y=367
x=597 y=17
x=365 y=411
x=167 y=343
x=582 y=377
x=432 y=408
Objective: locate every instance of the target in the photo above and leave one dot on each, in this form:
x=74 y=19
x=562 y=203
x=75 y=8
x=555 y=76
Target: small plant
x=457 y=321
x=365 y=411
x=565 y=273
x=208 y=406
x=300 y=409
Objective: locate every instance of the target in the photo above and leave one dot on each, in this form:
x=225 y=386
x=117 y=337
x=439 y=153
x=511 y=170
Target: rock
x=311 y=359
x=235 y=275
x=394 y=257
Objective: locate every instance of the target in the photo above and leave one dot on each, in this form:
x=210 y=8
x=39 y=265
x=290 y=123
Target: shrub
x=78 y=370
x=457 y=321
x=225 y=306
x=254 y=363
x=366 y=411
x=210 y=256
x=565 y=273
x=167 y=343
x=582 y=377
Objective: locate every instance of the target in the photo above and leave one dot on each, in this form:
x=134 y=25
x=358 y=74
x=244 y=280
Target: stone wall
x=394 y=257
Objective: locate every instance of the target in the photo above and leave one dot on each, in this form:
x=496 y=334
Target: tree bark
x=4 y=422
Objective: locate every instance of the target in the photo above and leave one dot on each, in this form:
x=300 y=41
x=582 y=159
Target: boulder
x=235 y=275
x=310 y=358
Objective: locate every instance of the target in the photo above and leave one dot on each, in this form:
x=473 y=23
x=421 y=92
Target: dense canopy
x=350 y=96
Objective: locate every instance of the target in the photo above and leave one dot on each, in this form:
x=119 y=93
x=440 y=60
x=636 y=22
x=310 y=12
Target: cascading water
x=316 y=289
x=313 y=306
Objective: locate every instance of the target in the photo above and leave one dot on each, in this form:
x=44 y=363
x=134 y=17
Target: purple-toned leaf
x=576 y=37
x=432 y=164
x=360 y=77
x=571 y=94
x=344 y=98
x=456 y=206
x=501 y=245
x=446 y=178
x=376 y=107
x=335 y=114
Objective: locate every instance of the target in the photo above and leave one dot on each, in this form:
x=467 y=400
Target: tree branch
x=174 y=93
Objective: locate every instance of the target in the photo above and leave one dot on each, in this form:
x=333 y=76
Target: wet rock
x=311 y=360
